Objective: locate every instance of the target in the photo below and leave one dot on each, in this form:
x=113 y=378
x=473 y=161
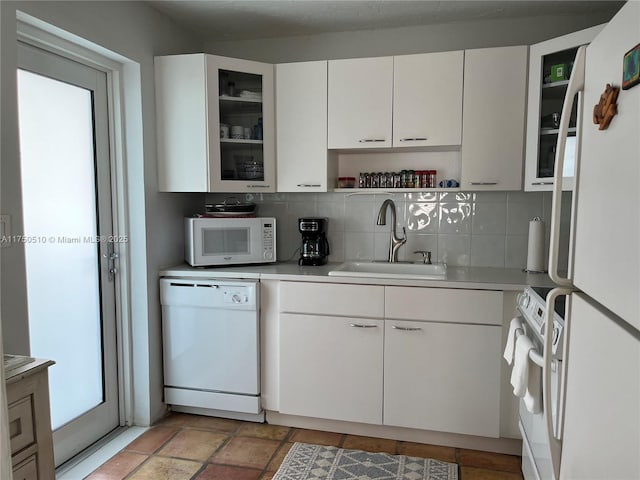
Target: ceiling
x=227 y=20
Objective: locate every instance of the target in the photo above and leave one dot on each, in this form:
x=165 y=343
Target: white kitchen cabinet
x=304 y=164
x=331 y=351
x=544 y=106
x=444 y=305
x=197 y=95
x=442 y=376
x=427 y=99
x=493 y=120
x=426 y=358
x=360 y=96
x=331 y=367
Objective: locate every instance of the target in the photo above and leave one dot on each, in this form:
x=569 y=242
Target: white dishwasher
x=211 y=347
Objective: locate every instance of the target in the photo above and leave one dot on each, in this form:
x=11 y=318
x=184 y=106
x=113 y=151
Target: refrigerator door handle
x=575 y=86
x=555 y=442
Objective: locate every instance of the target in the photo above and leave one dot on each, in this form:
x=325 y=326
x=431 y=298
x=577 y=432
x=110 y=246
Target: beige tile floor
x=192 y=447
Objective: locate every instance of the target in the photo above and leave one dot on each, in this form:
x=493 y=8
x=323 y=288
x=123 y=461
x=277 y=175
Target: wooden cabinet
x=331 y=363
x=215 y=124
x=331 y=367
x=493 y=121
x=304 y=164
x=30 y=433
x=550 y=64
x=360 y=96
x=427 y=358
x=427 y=99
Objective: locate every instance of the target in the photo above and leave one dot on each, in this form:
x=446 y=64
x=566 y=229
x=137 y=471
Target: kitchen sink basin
x=418 y=271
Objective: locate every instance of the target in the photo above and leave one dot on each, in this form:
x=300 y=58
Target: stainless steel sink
x=418 y=271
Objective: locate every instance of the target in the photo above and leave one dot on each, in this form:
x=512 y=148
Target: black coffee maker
x=315 y=247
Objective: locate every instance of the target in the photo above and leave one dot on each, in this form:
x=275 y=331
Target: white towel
x=520 y=372
x=509 y=348
x=532 y=396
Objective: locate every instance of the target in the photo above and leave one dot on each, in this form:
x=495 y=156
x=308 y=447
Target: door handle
x=406 y=329
x=111 y=256
x=363 y=325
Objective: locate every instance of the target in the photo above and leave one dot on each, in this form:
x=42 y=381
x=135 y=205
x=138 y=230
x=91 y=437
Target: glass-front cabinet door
x=241 y=125
x=550 y=66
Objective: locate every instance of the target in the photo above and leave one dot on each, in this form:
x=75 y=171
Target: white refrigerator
x=599 y=435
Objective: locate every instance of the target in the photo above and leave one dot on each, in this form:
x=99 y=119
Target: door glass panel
x=226 y=241
x=60 y=226
x=241 y=149
x=556 y=71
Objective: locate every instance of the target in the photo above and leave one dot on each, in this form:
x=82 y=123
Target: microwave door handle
x=555 y=443
x=575 y=86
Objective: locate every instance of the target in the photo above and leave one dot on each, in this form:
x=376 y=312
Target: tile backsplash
x=483 y=229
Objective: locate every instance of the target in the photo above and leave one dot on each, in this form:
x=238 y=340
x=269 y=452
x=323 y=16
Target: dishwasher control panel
x=210 y=293
x=235 y=295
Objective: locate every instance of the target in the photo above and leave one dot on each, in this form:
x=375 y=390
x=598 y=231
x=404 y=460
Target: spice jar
x=346 y=182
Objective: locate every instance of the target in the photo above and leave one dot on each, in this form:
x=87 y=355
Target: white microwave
x=229 y=241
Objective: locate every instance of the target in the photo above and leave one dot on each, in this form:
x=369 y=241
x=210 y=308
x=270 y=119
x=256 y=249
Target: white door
x=607 y=232
x=68 y=238
x=442 y=376
x=493 y=118
x=331 y=367
x=427 y=99
x=601 y=437
x=360 y=102
x=301 y=136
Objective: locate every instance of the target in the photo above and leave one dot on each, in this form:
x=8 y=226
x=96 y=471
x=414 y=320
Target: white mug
x=237 y=131
x=224 y=130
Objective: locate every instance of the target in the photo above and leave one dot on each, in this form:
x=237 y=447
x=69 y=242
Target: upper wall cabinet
x=402 y=101
x=427 y=99
x=360 y=102
x=304 y=164
x=493 y=125
x=550 y=65
x=215 y=124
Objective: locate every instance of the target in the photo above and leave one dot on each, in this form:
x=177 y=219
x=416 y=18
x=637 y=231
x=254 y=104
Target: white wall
x=137 y=32
x=406 y=40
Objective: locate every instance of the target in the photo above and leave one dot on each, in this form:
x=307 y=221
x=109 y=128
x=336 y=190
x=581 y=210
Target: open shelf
x=395 y=190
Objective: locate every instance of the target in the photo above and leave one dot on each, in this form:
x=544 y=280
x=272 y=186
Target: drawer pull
x=542 y=183
x=258 y=186
x=308 y=185
x=414 y=139
x=372 y=140
x=483 y=183
x=362 y=325
x=406 y=329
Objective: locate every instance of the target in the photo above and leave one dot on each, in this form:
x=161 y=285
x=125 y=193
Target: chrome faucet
x=394 y=243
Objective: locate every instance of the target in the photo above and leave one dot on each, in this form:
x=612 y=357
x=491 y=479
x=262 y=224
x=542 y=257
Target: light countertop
x=508 y=279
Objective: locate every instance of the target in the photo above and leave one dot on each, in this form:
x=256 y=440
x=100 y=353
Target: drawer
x=444 y=305
x=332 y=299
x=27 y=470
x=21 y=427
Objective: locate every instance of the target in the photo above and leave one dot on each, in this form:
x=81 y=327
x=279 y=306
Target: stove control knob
x=524 y=300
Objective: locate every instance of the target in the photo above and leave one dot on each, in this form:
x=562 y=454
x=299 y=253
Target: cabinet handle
x=309 y=185
x=362 y=325
x=483 y=183
x=258 y=186
x=542 y=183
x=406 y=329
x=372 y=140
x=414 y=139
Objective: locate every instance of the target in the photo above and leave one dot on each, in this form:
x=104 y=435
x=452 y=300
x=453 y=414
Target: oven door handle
x=555 y=444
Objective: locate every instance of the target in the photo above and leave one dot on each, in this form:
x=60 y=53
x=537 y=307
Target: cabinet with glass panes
x=550 y=68
x=215 y=120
